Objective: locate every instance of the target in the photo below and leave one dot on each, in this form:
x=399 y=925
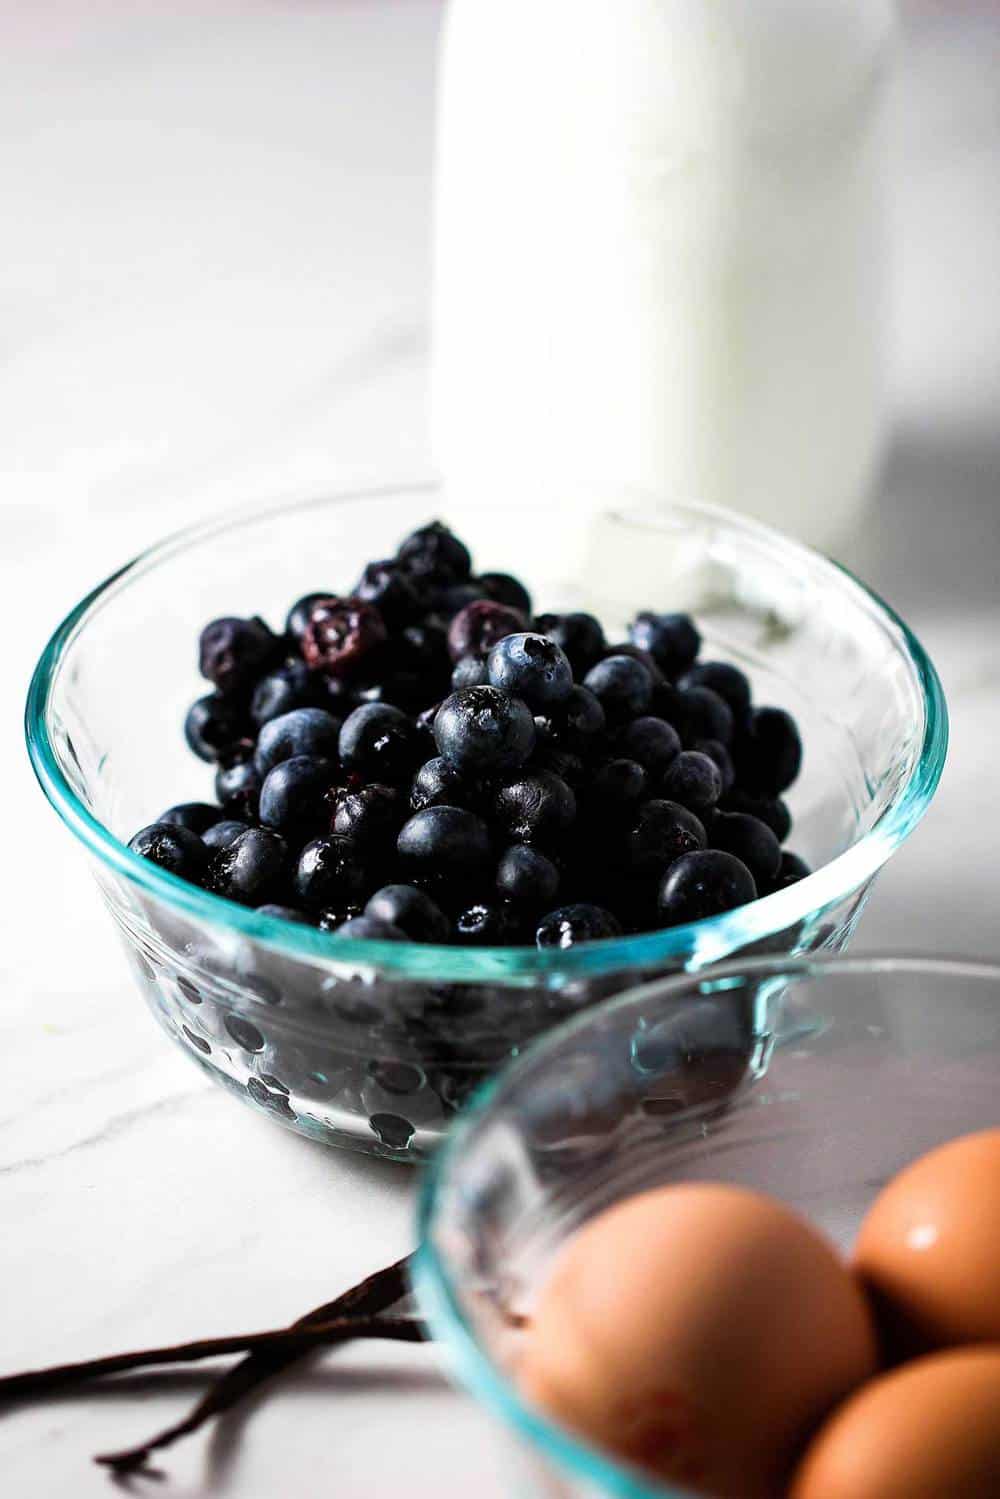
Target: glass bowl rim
x=438 y=1300
x=733 y=929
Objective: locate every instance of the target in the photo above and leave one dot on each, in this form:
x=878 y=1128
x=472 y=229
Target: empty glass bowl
x=812 y=1079
x=376 y=1046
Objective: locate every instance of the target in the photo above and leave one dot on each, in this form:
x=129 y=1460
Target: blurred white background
x=213 y=286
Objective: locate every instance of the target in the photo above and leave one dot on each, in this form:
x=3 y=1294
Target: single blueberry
x=369 y=929
x=371 y=815
x=435 y=553
x=380 y=743
x=722 y=758
x=284 y=913
x=531 y=667
x=791 y=869
x=704 y=883
x=295 y=795
x=298 y=614
x=251 y=869
x=623 y=686
x=579 y=635
x=770 y=756
x=305 y=731
x=197 y=817
x=651 y=742
x=560 y=762
x=173 y=848
x=214 y=724
x=470 y=671
x=615 y=787
x=476 y=629
x=343 y=638
x=568 y=925
x=750 y=840
x=331 y=871
x=578 y=721
x=703 y=714
x=771 y=810
x=393 y=590
x=534 y=807
x=438 y=784
x=496 y=923
x=726 y=681
x=291 y=686
x=671 y=639
x=526 y=876
x=237 y=787
x=412 y=911
x=221 y=834
x=483 y=731
x=232 y=653
x=502 y=588
x=444 y=842
x=451 y=599
x=663 y=832
x=693 y=780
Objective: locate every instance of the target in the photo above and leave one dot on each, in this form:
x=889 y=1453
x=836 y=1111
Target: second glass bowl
x=375 y=1048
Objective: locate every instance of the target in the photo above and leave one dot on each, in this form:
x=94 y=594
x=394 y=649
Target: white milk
x=659 y=254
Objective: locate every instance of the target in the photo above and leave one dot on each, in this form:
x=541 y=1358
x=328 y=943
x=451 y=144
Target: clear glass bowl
x=812 y=1079
x=376 y=1047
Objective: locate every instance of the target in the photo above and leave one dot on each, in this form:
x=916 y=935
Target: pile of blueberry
x=425 y=759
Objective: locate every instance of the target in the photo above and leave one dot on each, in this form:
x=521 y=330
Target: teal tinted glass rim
x=698 y=941
x=436 y=1291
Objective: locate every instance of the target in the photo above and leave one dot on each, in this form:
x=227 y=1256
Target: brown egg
x=928 y=1430
x=929 y=1249
x=698 y=1331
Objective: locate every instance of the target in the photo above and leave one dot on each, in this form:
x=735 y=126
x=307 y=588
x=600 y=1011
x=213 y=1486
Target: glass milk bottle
x=659 y=259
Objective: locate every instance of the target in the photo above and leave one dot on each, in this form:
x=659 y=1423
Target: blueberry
x=526 y=876
x=623 y=686
x=577 y=722
x=702 y=714
x=693 y=780
x=450 y=600
x=304 y=731
x=771 y=810
x=173 y=848
x=651 y=742
x=469 y=672
x=213 y=725
x=221 y=834
x=671 y=639
x=298 y=614
x=371 y=815
x=436 y=554
x=617 y=786
x=533 y=668
x=295 y=796
x=444 y=842
x=343 y=637
x=379 y=742
x=197 y=817
x=412 y=911
x=663 y=832
x=232 y=653
x=250 y=869
x=481 y=625
x=723 y=760
x=534 y=807
x=726 y=681
x=369 y=929
x=331 y=871
x=750 y=840
x=483 y=731
x=284 y=913
x=568 y=925
x=704 y=883
x=291 y=686
x=560 y=762
x=237 y=787
x=579 y=635
x=393 y=590
x=489 y=924
x=628 y=648
x=791 y=869
x=504 y=589
x=423 y=649
x=438 y=784
x=770 y=757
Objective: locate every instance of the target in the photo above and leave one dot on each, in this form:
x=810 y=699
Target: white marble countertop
x=213 y=285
